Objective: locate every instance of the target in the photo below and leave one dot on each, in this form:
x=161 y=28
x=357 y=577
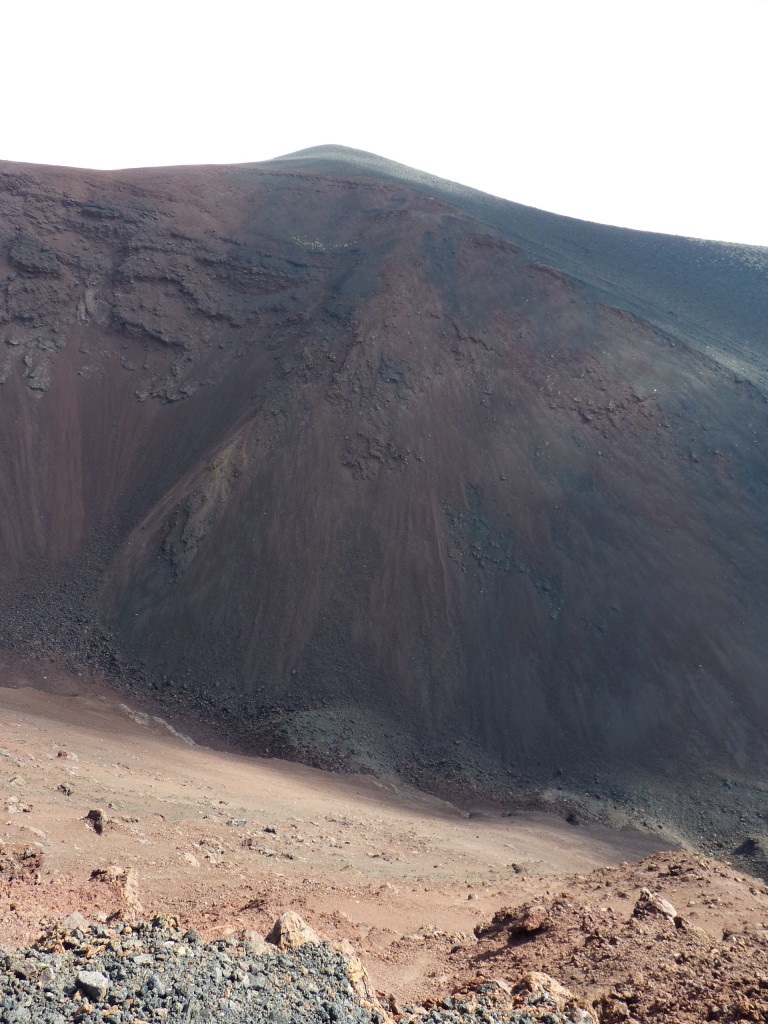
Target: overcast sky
x=648 y=115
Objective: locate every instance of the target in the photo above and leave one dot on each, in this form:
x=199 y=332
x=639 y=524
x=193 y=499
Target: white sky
x=644 y=114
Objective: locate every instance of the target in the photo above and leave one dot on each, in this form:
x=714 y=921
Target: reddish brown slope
x=332 y=447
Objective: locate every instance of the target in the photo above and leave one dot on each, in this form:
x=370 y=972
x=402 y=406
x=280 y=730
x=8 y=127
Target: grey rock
x=140 y=976
x=93 y=984
x=74 y=922
x=46 y=976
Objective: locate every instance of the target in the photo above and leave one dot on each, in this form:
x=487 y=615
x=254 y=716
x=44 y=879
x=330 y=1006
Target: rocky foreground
x=152 y=971
x=182 y=858
x=656 y=965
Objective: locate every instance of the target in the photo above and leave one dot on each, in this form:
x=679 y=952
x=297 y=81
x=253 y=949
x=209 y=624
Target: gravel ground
x=153 y=972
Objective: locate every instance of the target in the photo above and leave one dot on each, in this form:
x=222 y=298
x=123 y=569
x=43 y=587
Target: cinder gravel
x=154 y=972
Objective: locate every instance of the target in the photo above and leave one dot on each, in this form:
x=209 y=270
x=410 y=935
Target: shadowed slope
x=310 y=435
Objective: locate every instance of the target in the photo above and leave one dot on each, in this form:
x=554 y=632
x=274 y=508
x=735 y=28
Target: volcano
x=334 y=456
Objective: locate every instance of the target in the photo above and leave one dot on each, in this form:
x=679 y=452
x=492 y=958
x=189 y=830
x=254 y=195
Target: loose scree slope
x=328 y=440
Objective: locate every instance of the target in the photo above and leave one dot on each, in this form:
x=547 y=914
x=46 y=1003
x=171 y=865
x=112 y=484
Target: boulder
x=520 y=923
x=561 y=999
x=290 y=931
x=650 y=904
x=123 y=883
x=97 y=819
x=358 y=976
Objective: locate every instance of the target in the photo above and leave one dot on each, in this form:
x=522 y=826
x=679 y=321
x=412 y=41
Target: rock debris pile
x=631 y=954
x=152 y=971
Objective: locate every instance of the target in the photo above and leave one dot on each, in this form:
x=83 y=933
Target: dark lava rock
x=97 y=819
x=154 y=972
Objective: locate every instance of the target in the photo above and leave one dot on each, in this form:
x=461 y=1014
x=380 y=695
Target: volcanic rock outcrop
x=324 y=439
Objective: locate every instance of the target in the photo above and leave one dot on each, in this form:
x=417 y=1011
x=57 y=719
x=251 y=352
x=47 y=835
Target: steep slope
x=713 y=293
x=324 y=440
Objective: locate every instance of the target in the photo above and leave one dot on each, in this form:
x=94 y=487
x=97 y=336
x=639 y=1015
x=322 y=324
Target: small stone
x=46 y=976
x=158 y=985
x=93 y=985
x=254 y=942
x=650 y=903
x=74 y=923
